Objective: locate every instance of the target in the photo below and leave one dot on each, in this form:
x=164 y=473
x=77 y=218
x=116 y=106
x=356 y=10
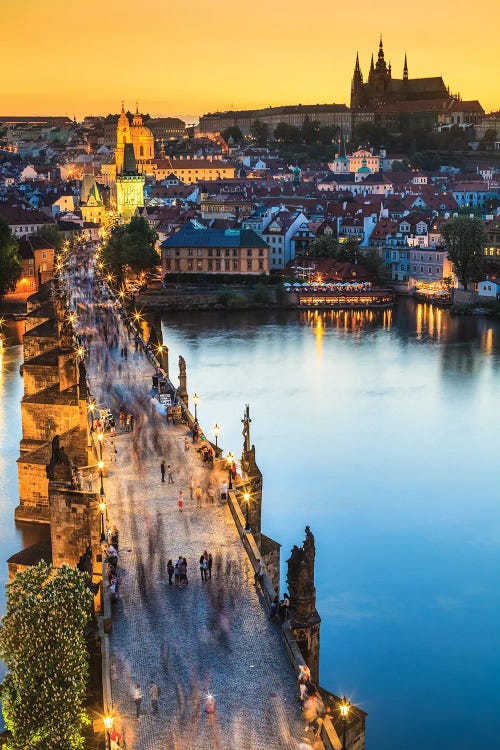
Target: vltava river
x=380 y=431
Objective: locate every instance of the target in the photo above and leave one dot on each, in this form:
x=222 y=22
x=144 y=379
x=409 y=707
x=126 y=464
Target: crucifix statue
x=246 y=429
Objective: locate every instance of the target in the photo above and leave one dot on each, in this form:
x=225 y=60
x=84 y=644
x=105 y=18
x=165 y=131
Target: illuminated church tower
x=123 y=136
x=129 y=184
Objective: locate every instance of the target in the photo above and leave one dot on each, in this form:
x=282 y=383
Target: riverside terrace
x=210 y=638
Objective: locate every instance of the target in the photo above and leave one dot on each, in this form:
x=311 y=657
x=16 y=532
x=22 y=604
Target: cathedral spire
x=123 y=107
x=356 y=67
x=381 y=49
x=405 y=70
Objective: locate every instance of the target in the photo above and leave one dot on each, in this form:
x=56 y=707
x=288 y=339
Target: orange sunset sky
x=187 y=58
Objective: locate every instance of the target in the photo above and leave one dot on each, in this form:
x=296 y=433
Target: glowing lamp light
x=108 y=722
x=102 y=506
x=344 y=707
x=100 y=465
x=100 y=437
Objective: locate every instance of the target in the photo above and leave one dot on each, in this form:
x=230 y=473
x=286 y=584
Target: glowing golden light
x=100 y=465
x=108 y=722
x=344 y=707
x=100 y=437
x=102 y=506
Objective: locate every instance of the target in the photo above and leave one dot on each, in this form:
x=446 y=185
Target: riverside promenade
x=205 y=638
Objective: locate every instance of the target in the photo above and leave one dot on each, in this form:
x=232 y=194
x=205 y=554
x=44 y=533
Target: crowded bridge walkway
x=195 y=663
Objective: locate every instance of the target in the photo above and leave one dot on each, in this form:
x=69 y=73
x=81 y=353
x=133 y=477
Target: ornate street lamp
x=196 y=398
x=344 y=708
x=246 y=498
x=100 y=466
x=102 y=508
x=216 y=431
x=230 y=459
x=108 y=726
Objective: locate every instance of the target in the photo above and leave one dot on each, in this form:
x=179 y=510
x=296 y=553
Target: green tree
x=309 y=130
x=234 y=132
x=328 y=134
x=375 y=265
x=465 y=239
x=285 y=133
x=10 y=264
x=348 y=251
x=43 y=645
x=401 y=166
x=260 y=132
x=487 y=141
x=325 y=246
x=262 y=295
x=131 y=245
x=50 y=233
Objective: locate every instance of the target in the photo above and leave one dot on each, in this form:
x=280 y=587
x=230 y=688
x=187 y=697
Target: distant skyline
x=187 y=59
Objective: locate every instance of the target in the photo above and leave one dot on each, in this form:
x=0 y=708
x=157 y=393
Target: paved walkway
x=211 y=637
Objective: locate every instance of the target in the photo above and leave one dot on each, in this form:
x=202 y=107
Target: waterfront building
x=209 y=251
x=279 y=235
x=37 y=261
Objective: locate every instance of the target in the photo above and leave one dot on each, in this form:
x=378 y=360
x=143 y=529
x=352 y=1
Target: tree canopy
x=260 y=132
x=131 y=245
x=465 y=239
x=287 y=133
x=10 y=263
x=234 y=132
x=43 y=645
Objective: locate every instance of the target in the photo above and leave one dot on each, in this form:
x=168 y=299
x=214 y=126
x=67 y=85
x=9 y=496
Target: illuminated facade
x=140 y=137
x=129 y=185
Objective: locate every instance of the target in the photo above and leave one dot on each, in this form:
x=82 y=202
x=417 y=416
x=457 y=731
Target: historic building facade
x=381 y=88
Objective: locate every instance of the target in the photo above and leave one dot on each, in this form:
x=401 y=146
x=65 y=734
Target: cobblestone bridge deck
x=206 y=637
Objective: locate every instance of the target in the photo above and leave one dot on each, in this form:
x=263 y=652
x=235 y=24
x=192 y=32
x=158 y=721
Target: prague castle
x=381 y=88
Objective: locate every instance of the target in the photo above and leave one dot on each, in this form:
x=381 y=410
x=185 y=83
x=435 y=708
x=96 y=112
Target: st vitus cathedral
x=381 y=88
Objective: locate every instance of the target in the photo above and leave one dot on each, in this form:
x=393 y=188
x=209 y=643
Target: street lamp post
x=246 y=498
x=196 y=398
x=100 y=466
x=108 y=726
x=230 y=459
x=102 y=509
x=344 y=708
x=216 y=431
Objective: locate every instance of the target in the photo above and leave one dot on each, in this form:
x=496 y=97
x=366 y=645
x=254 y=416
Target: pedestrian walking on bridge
x=138 y=700
x=170 y=473
x=154 y=696
x=162 y=470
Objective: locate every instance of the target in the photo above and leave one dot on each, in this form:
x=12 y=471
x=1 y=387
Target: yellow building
x=92 y=206
x=190 y=170
x=140 y=137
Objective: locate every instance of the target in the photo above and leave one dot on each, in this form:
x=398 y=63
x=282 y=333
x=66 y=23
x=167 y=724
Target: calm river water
x=380 y=431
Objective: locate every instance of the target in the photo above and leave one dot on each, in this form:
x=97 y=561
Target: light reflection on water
x=380 y=429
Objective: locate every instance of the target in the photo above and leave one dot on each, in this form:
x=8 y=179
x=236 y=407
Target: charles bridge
x=205 y=643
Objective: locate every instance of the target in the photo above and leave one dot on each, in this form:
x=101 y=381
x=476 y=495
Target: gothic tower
x=129 y=185
x=123 y=136
x=357 y=85
x=405 y=70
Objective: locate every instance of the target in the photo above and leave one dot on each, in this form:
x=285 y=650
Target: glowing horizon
x=184 y=62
